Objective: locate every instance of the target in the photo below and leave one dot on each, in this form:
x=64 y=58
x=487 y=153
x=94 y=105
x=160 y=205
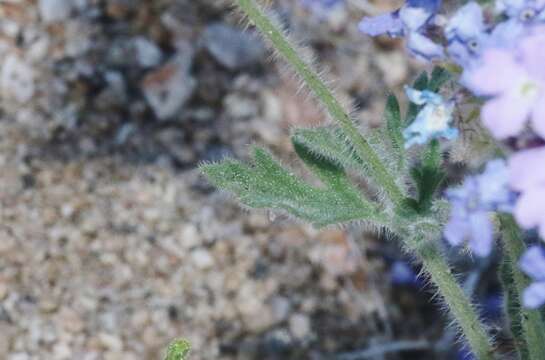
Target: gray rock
x=147 y=53
x=231 y=47
x=299 y=326
x=280 y=308
x=17 y=79
x=168 y=88
x=54 y=10
x=202 y=259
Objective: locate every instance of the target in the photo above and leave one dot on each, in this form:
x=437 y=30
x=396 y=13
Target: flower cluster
x=462 y=37
x=500 y=50
x=412 y=20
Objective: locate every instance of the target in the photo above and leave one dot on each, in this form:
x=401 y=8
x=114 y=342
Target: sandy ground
x=112 y=243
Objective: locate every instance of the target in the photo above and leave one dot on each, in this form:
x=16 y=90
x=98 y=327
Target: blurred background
x=112 y=243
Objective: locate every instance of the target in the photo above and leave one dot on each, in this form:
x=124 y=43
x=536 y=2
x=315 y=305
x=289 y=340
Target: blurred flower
x=432 y=122
x=527 y=175
x=522 y=10
x=423 y=47
x=401 y=273
x=389 y=23
x=416 y=14
x=492 y=306
x=495 y=192
x=505 y=35
x=533 y=264
x=516 y=81
x=410 y=20
x=465 y=33
x=471 y=204
x=465 y=354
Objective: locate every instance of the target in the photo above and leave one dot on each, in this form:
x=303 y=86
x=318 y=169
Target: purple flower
x=533 y=264
x=423 y=48
x=527 y=175
x=466 y=33
x=411 y=20
x=471 y=204
x=389 y=23
x=506 y=35
x=465 y=354
x=401 y=273
x=521 y=10
x=492 y=306
x=515 y=79
x=412 y=16
x=416 y=14
x=495 y=192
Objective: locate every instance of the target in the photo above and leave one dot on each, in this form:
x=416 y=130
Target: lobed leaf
x=394 y=127
x=328 y=142
x=267 y=185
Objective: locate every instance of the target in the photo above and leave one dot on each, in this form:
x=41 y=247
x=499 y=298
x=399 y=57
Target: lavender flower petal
x=534 y=295
x=482 y=234
x=533 y=262
x=389 y=23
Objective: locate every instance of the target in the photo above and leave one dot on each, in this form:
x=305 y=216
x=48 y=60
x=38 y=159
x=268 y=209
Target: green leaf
x=394 y=127
x=428 y=177
x=329 y=143
x=178 y=350
x=267 y=185
x=439 y=77
x=273 y=32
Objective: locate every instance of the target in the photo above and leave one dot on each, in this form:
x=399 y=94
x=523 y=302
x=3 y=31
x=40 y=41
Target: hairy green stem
x=457 y=301
x=432 y=259
x=274 y=34
x=532 y=325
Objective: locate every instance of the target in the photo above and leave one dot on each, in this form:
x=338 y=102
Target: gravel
x=112 y=243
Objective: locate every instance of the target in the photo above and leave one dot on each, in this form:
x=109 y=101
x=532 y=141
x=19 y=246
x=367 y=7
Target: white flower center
x=439 y=119
x=529 y=89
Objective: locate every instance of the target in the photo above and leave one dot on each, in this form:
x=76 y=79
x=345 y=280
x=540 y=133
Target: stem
x=458 y=303
x=274 y=34
x=532 y=324
x=433 y=261
x=512 y=308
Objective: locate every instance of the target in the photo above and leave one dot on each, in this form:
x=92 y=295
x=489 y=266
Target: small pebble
x=17 y=79
x=147 y=53
x=168 y=88
x=233 y=48
x=202 y=259
x=54 y=10
x=110 y=342
x=299 y=325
